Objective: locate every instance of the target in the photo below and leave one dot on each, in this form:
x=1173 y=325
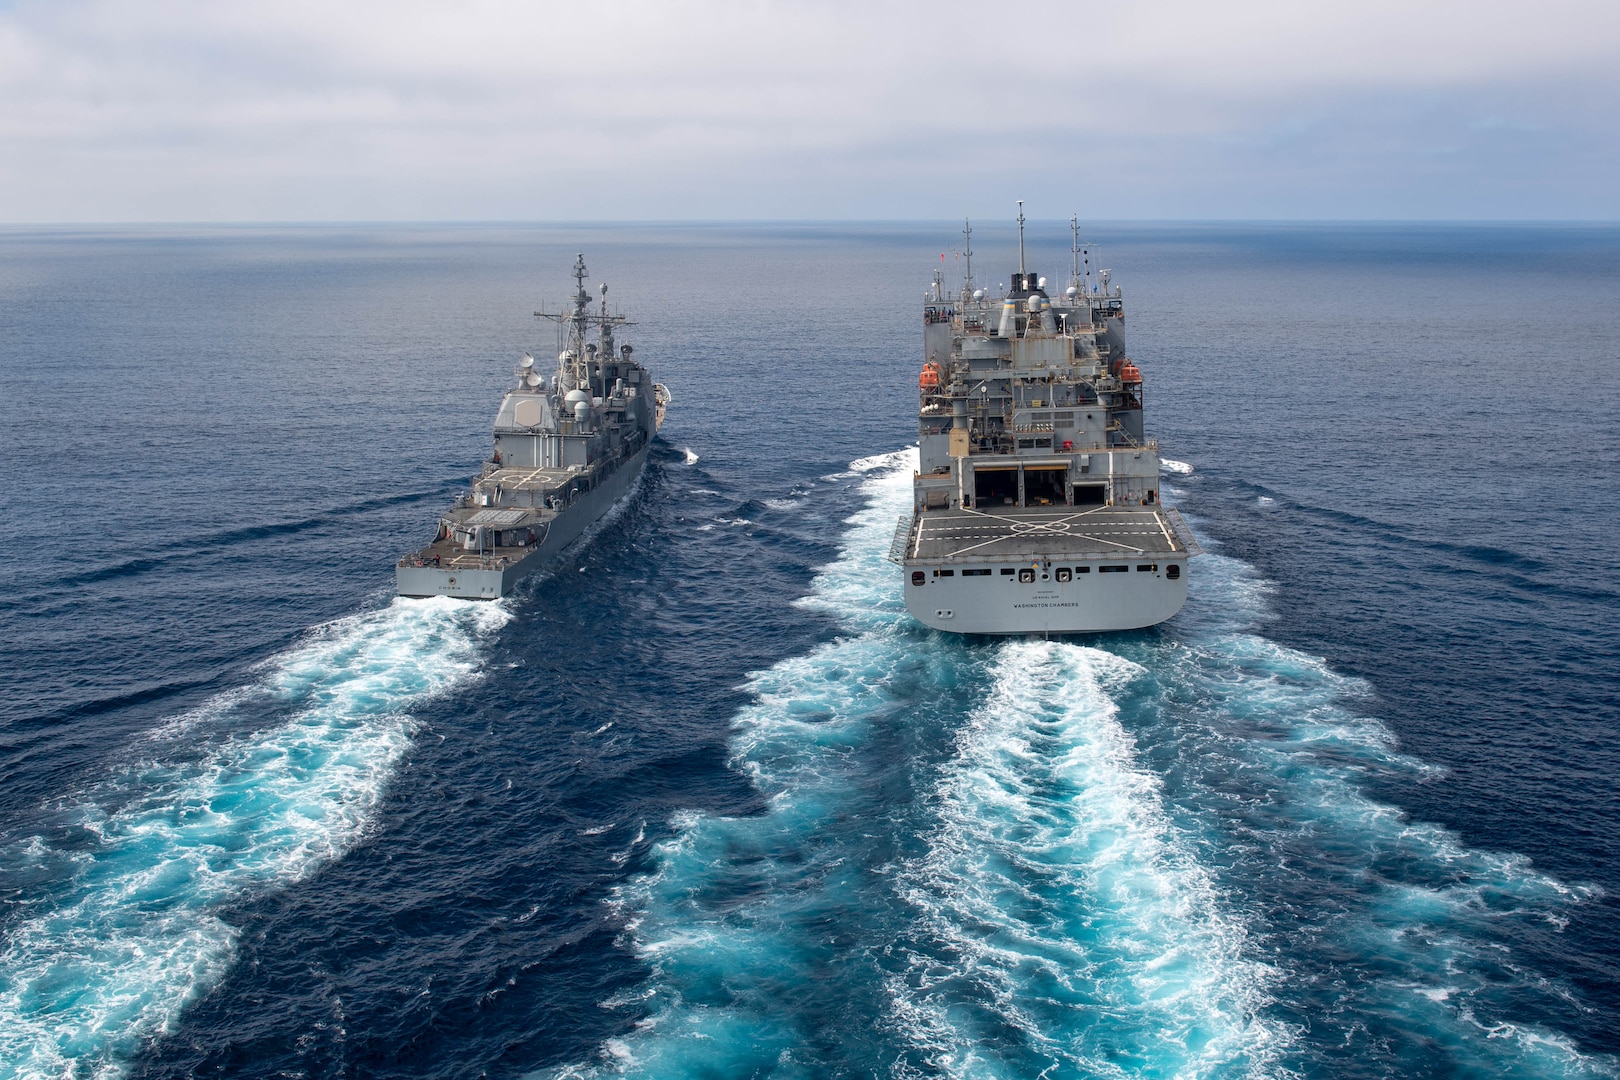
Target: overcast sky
x=297 y=110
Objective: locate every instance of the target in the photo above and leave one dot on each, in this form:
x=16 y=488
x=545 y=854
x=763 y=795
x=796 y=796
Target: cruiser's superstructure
x=1037 y=496
x=566 y=448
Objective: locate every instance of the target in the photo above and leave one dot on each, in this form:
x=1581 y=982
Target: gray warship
x=566 y=449
x=1036 y=501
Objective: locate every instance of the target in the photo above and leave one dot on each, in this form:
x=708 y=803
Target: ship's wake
x=1155 y=856
x=123 y=921
x=1063 y=919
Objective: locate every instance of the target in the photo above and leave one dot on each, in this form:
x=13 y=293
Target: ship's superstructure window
x=1026 y=576
x=1173 y=571
x=918 y=577
x=1082 y=569
x=1113 y=569
x=944 y=573
x=1007 y=571
x=1147 y=567
x=1064 y=574
x=984 y=572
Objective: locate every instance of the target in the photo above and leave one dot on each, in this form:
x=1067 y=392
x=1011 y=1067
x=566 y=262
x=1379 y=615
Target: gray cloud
x=185 y=110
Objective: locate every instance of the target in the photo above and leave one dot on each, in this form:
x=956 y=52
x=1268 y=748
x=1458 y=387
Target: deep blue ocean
x=702 y=800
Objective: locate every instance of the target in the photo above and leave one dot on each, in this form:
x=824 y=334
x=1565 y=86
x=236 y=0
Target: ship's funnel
x=1009 y=317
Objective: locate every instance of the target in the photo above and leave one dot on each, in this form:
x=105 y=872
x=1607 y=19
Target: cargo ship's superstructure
x=566 y=449
x=1037 y=496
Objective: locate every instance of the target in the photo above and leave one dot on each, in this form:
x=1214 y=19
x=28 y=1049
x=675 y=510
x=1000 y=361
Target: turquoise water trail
x=1065 y=923
x=258 y=790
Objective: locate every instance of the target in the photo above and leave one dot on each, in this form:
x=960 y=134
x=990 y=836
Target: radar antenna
x=575 y=360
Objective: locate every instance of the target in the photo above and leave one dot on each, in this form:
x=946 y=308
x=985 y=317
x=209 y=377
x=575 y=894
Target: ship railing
x=981 y=450
x=460 y=562
x=902 y=540
x=1184 y=535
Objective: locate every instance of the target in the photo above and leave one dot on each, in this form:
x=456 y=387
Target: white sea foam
x=691 y=456
x=892 y=464
x=112 y=955
x=1180 y=468
x=1058 y=901
x=1422 y=917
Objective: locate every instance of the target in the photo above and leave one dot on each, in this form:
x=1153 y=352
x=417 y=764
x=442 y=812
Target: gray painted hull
x=1052 y=570
x=498 y=580
x=1087 y=604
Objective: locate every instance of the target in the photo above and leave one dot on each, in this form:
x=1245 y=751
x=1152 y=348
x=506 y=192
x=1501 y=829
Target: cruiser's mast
x=581 y=320
x=578 y=359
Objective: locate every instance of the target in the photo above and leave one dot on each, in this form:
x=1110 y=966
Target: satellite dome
x=527 y=362
x=978 y=294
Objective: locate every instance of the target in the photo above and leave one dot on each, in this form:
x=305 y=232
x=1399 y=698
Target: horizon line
x=690 y=222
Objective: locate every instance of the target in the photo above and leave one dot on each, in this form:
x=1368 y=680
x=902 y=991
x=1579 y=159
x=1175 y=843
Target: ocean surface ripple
x=703 y=800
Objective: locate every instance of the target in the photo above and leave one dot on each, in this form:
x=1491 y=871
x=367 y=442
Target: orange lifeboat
x=1130 y=373
x=929 y=379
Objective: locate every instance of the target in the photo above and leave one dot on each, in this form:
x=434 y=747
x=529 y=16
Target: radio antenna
x=1020 y=237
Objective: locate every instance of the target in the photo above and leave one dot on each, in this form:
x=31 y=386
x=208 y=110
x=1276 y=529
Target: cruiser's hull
x=1094 y=602
x=511 y=565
